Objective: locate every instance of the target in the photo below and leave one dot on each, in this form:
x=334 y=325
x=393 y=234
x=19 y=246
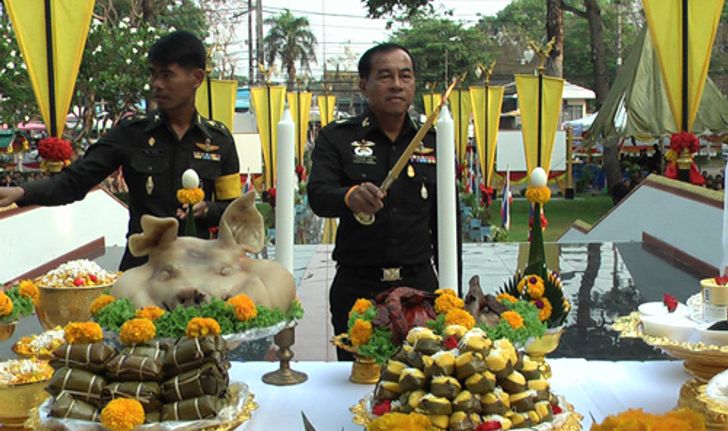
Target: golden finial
x=267 y=72
x=481 y=70
x=431 y=86
x=543 y=53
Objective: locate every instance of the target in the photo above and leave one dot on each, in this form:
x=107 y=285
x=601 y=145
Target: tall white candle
x=724 y=264
x=284 y=190
x=446 y=209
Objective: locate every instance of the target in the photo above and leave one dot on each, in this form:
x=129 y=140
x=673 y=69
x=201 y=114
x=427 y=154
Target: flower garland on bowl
x=82 y=332
x=546 y=295
x=18 y=301
x=680 y=157
x=637 y=420
x=519 y=323
x=55 y=149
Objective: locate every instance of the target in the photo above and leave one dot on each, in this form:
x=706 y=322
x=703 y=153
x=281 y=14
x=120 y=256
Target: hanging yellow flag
x=665 y=21
x=69 y=23
x=300 y=116
x=224 y=92
x=430 y=101
x=550 y=109
x=460 y=107
x=268 y=105
x=326 y=105
x=486 y=144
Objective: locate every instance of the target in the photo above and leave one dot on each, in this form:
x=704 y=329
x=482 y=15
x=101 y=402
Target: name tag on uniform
x=422 y=159
x=212 y=157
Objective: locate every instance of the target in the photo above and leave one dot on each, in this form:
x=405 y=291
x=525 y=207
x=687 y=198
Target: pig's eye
x=226 y=270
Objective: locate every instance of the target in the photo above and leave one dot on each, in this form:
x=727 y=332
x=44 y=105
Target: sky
x=342 y=25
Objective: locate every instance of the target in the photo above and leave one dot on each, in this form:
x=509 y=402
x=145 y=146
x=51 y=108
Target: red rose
x=670 y=302
x=722 y=280
x=301 y=173
x=382 y=408
x=489 y=426
x=450 y=342
x=556 y=409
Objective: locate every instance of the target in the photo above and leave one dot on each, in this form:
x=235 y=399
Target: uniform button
x=363 y=175
x=395 y=210
x=149 y=168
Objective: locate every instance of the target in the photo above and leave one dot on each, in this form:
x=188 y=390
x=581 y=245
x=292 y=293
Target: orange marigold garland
x=190 y=196
x=122 y=414
x=243 y=306
x=544 y=308
x=137 y=331
x=447 y=301
x=638 y=420
x=201 y=327
x=361 y=306
x=530 y=282
x=539 y=195
x=458 y=316
x=506 y=297
x=82 y=332
x=400 y=422
x=100 y=302
x=28 y=289
x=513 y=318
x=6 y=305
x=360 y=332
x=151 y=312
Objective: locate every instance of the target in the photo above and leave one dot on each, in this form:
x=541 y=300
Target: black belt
x=392 y=273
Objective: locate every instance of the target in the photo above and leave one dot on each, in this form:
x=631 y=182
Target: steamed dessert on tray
x=77 y=273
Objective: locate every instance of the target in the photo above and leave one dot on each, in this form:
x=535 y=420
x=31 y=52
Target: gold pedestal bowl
x=364 y=370
x=18 y=400
x=58 y=306
x=7 y=330
x=538 y=348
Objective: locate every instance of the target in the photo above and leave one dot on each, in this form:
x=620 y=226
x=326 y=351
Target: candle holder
x=285 y=376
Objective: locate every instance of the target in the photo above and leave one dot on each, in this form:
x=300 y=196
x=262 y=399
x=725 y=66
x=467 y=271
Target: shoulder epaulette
x=133 y=119
x=217 y=125
x=347 y=122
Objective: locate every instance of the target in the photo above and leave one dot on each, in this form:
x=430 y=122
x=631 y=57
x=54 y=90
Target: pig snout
x=190 y=296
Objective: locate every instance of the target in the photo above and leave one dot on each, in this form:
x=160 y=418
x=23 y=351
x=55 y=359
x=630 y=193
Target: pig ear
x=155 y=232
x=242 y=225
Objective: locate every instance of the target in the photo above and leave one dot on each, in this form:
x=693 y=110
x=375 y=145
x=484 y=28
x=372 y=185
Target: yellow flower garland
x=513 y=318
x=28 y=289
x=637 y=420
x=544 y=311
x=82 y=332
x=539 y=195
x=6 y=305
x=458 y=316
x=530 y=282
x=535 y=291
x=100 y=302
x=190 y=196
x=445 y=292
x=151 y=312
x=400 y=422
x=360 y=332
x=243 y=306
x=506 y=297
x=202 y=326
x=137 y=331
x=122 y=414
x=361 y=306
x=446 y=302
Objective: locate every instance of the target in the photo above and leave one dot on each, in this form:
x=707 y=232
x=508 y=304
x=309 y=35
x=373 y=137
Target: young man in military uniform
x=350 y=159
x=154 y=150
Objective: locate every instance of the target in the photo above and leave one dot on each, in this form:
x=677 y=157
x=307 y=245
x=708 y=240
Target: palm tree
x=290 y=39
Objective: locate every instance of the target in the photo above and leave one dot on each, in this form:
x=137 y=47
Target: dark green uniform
x=153 y=160
x=399 y=248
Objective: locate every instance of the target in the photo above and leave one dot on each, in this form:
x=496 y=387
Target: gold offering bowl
x=538 y=348
x=364 y=370
x=18 y=400
x=60 y=305
x=693 y=396
x=7 y=330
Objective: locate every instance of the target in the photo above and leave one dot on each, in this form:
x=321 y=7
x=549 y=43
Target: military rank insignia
x=364 y=152
x=200 y=155
x=207 y=146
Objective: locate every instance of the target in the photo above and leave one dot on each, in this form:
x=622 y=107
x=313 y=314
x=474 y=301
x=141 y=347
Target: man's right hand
x=367 y=199
x=10 y=195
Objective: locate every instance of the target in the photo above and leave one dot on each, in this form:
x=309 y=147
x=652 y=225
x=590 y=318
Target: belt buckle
x=392 y=274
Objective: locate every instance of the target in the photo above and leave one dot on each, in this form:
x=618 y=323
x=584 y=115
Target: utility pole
x=618 y=5
x=259 y=36
x=251 y=63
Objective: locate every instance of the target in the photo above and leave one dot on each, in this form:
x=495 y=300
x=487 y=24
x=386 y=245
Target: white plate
x=676 y=328
x=656 y=308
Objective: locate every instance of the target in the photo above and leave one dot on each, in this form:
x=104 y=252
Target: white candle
x=446 y=209
x=724 y=263
x=284 y=190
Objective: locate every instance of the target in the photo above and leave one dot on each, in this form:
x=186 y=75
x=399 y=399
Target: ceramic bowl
x=712 y=337
x=676 y=328
x=656 y=308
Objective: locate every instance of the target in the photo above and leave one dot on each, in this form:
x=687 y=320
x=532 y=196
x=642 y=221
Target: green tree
x=291 y=41
x=17 y=101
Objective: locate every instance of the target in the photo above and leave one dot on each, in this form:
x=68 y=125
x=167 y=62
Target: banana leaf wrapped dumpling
x=81 y=384
x=208 y=380
x=190 y=353
x=125 y=368
x=156 y=350
x=66 y=407
x=90 y=357
x=147 y=393
x=205 y=407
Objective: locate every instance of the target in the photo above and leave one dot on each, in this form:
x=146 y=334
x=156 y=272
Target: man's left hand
x=199 y=210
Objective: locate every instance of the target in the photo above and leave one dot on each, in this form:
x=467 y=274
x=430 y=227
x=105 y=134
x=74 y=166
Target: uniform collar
x=157 y=118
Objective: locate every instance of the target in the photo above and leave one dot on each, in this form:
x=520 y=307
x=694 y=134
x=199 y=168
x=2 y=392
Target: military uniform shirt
x=153 y=160
x=353 y=151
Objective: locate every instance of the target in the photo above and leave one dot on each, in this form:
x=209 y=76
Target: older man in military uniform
x=350 y=159
x=154 y=150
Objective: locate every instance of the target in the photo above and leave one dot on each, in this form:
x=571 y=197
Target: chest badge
x=150 y=185
x=423 y=192
x=410 y=171
x=207 y=146
x=151 y=141
x=364 y=152
x=422 y=150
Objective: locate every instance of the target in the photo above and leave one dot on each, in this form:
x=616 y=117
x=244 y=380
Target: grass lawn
x=561 y=213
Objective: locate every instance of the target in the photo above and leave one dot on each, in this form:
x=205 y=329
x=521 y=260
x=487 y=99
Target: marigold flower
x=535 y=291
x=6 y=305
x=82 y=332
x=506 y=297
x=513 y=318
x=361 y=306
x=122 y=414
x=446 y=302
x=190 y=196
x=524 y=286
x=28 y=289
x=100 y=302
x=202 y=326
x=539 y=195
x=360 y=332
x=400 y=422
x=445 y=292
x=458 y=316
x=137 y=331
x=544 y=308
x=635 y=419
x=151 y=312
x=243 y=306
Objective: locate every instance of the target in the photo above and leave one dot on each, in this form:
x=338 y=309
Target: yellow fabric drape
x=527 y=87
x=430 y=101
x=460 y=107
x=268 y=105
x=495 y=101
x=664 y=19
x=300 y=117
x=224 y=93
x=70 y=21
x=329 y=235
x=326 y=105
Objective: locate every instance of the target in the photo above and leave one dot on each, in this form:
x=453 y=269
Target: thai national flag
x=506 y=202
x=248 y=186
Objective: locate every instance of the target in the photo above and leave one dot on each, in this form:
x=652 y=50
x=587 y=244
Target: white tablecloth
x=598 y=388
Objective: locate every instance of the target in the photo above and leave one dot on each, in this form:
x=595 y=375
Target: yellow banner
x=460 y=107
x=70 y=20
x=486 y=144
x=550 y=109
x=300 y=117
x=224 y=93
x=665 y=21
x=268 y=105
x=430 y=101
x=326 y=105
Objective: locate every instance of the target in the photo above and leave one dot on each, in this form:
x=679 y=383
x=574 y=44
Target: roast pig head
x=187 y=270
